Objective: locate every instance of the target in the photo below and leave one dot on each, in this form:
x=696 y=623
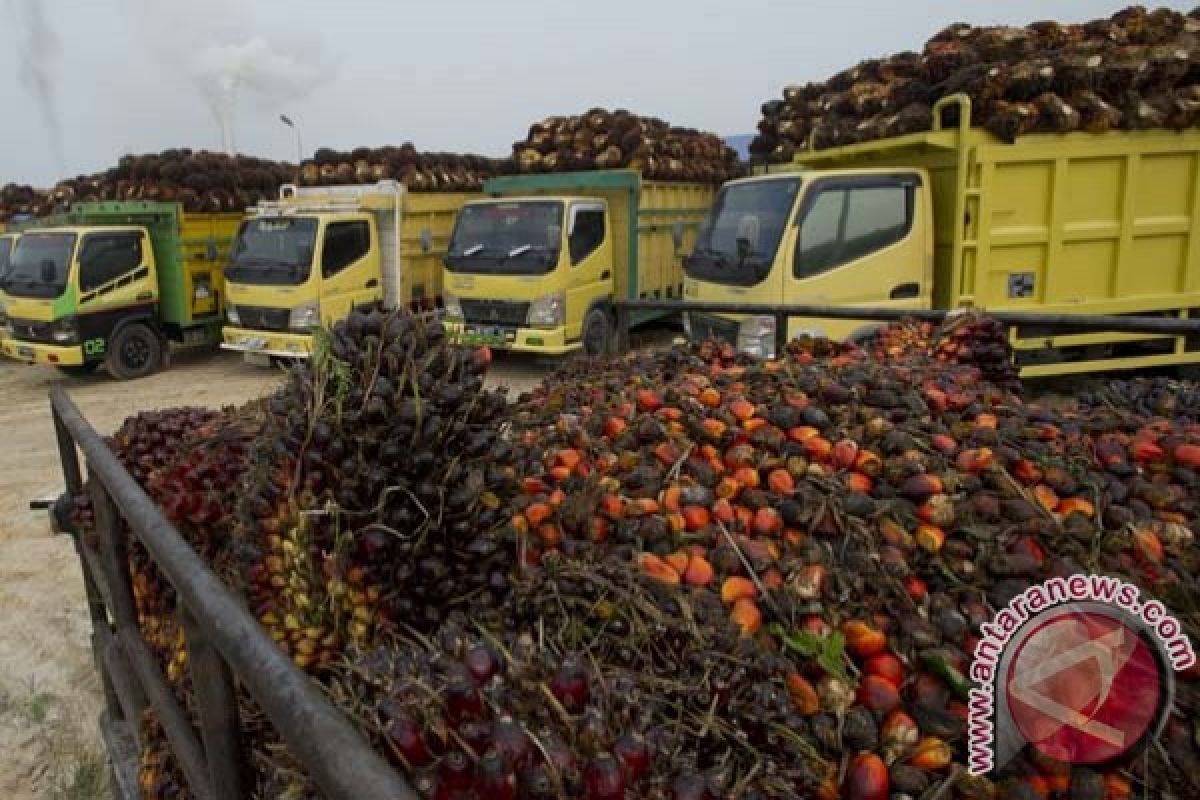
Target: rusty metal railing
x=224 y=644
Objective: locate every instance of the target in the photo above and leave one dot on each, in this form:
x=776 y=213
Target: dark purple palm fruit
x=570 y=686
x=463 y=700
x=604 y=779
x=482 y=663
x=404 y=737
x=511 y=742
x=690 y=787
x=456 y=774
x=633 y=752
x=496 y=779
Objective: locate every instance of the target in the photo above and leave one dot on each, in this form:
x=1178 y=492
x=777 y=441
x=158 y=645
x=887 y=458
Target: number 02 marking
x=94 y=347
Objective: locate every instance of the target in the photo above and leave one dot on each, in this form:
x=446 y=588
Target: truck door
x=590 y=274
x=860 y=240
x=350 y=268
x=116 y=280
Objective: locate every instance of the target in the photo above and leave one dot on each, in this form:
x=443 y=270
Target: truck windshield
x=39 y=265
x=737 y=242
x=506 y=238
x=274 y=251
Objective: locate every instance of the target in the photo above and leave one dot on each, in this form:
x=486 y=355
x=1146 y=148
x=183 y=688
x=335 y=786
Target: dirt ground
x=49 y=692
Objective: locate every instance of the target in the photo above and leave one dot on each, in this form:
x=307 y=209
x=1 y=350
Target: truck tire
x=135 y=352
x=597 y=333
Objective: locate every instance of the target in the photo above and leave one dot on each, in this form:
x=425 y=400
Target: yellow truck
x=7 y=242
x=115 y=284
x=536 y=266
x=306 y=260
x=1079 y=223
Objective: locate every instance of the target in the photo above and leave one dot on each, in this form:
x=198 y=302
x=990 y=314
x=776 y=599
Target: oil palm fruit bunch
x=418 y=171
x=969 y=339
x=1150 y=396
x=373 y=489
x=603 y=139
x=1133 y=70
x=20 y=200
x=199 y=180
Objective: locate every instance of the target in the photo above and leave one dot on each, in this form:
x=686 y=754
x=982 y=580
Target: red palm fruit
x=986 y=420
x=867 y=778
x=877 y=694
x=886 y=666
x=740 y=455
x=603 y=779
x=844 y=453
x=899 y=731
x=649 y=401
x=666 y=453
x=754 y=423
x=858 y=482
x=1146 y=451
x=1076 y=505
x=863 y=639
x=1117 y=786
x=612 y=505
x=699 y=572
x=570 y=686
x=745 y=518
x=614 y=427
x=1149 y=546
x=656 y=568
x=643 y=506
x=550 y=534
x=936 y=399
x=780 y=481
x=709 y=397
x=868 y=463
x=893 y=533
x=1187 y=455
x=916 y=588
x=481 y=661
x=742 y=409
x=557 y=497
x=670 y=498
x=976 y=460
x=803 y=695
x=772 y=578
x=675 y=522
x=930 y=538
x=713 y=428
x=678 y=560
x=809 y=583
x=1027 y=472
x=568 y=457
x=943 y=443
x=669 y=413
x=818 y=449
x=511 y=742
x=495 y=779
x=931 y=753
x=727 y=488
x=736 y=588
x=767 y=522
x=1046 y=497
x=1028 y=546
x=921 y=486
x=463 y=700
x=747 y=616
x=455 y=774
x=519 y=523
x=632 y=751
x=802 y=432
x=929 y=690
x=722 y=510
x=537 y=513
x=747 y=477
x=534 y=486
x=937 y=510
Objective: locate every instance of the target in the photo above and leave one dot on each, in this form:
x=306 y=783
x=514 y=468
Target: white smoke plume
x=39 y=52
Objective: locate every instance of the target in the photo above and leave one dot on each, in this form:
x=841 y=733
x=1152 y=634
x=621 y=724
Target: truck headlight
x=756 y=336
x=231 y=314
x=65 y=330
x=452 y=306
x=304 y=318
x=548 y=311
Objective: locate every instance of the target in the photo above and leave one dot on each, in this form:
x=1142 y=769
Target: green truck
x=115 y=284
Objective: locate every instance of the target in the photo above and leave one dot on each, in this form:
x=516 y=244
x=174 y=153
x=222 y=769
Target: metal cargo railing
x=226 y=647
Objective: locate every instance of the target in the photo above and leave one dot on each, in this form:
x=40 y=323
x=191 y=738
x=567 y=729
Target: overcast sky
x=466 y=75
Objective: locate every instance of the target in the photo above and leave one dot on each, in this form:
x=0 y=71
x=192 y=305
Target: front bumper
x=54 y=355
x=547 y=341
x=267 y=343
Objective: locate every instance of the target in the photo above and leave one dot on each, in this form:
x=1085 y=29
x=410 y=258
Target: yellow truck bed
x=1089 y=223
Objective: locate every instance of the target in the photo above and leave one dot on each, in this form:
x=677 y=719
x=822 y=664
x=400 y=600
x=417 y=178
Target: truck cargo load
x=955 y=217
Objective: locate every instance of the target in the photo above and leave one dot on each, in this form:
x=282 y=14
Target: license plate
x=25 y=352
x=474 y=335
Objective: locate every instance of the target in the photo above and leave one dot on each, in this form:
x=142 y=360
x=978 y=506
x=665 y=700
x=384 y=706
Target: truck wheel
x=135 y=352
x=597 y=333
x=78 y=370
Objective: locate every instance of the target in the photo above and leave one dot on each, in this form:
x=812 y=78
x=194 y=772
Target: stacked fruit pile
x=600 y=139
x=1152 y=396
x=969 y=339
x=419 y=171
x=687 y=574
x=1135 y=70
x=19 y=201
x=200 y=180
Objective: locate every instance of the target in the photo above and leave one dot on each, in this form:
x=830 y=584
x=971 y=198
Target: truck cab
x=71 y=291
x=305 y=261
x=835 y=237
x=7 y=242
x=526 y=273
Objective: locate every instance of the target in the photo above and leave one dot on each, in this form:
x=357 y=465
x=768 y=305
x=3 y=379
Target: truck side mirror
x=677 y=234
x=426 y=238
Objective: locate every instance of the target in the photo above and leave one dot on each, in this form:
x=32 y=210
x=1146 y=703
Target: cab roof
x=81 y=229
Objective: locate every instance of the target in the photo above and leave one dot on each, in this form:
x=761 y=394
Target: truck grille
x=705 y=327
x=263 y=319
x=495 y=312
x=28 y=330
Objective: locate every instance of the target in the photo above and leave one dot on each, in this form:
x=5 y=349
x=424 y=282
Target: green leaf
x=827 y=651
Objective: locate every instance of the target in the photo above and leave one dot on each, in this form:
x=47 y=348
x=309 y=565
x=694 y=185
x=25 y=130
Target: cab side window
x=345 y=243
x=107 y=256
x=587 y=235
x=846 y=223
